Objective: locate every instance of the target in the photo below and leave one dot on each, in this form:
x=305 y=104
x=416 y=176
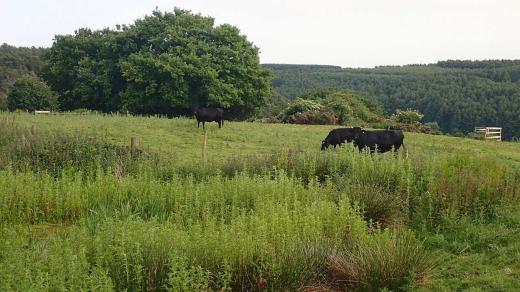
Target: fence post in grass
x=134 y=144
x=204 y=147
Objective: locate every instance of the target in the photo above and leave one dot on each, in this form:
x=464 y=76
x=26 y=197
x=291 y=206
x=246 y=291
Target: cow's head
x=324 y=144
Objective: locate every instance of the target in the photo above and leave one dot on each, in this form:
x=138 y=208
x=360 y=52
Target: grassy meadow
x=179 y=138
x=268 y=211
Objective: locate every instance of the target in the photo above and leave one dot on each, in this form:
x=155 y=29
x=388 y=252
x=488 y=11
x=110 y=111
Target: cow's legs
x=219 y=124
x=198 y=124
x=203 y=125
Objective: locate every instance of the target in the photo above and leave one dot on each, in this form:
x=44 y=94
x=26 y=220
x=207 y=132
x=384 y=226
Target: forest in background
x=458 y=95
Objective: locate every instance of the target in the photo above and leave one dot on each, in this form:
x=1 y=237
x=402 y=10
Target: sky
x=347 y=33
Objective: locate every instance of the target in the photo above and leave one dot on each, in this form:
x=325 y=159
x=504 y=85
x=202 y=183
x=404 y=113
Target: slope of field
x=270 y=211
x=180 y=138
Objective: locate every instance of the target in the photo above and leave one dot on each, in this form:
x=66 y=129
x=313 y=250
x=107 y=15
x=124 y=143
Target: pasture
x=268 y=211
x=179 y=138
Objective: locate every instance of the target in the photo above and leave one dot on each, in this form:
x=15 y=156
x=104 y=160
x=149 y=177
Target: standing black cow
x=384 y=141
x=209 y=114
x=338 y=137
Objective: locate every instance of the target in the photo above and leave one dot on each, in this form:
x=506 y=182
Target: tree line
x=165 y=63
x=458 y=95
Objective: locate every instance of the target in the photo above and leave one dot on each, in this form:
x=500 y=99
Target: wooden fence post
x=134 y=144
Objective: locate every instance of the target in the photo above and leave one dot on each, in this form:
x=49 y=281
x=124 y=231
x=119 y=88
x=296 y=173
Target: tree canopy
x=164 y=63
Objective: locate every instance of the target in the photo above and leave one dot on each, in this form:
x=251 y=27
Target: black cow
x=384 y=140
x=209 y=114
x=338 y=137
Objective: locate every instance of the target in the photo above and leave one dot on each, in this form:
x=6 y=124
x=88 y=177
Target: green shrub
x=302 y=105
x=409 y=116
x=436 y=129
x=417 y=128
x=331 y=106
x=31 y=93
x=321 y=117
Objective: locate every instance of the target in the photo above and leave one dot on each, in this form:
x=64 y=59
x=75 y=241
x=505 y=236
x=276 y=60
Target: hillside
x=458 y=95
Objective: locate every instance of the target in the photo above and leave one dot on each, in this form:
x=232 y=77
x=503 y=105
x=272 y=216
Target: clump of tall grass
x=379 y=205
x=391 y=259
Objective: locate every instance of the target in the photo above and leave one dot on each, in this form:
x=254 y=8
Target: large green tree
x=164 y=63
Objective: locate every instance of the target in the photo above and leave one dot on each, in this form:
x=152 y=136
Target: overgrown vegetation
x=288 y=219
x=328 y=106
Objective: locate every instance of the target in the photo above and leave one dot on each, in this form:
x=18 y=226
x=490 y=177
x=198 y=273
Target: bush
x=327 y=106
x=321 y=117
x=349 y=107
x=31 y=93
x=306 y=111
x=408 y=116
x=436 y=129
x=417 y=128
x=378 y=204
x=302 y=105
x=393 y=259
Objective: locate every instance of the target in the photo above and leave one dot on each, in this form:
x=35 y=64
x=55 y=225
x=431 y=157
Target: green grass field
x=180 y=138
x=269 y=210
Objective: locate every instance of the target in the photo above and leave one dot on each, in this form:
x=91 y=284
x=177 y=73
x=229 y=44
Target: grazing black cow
x=209 y=114
x=338 y=137
x=384 y=140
